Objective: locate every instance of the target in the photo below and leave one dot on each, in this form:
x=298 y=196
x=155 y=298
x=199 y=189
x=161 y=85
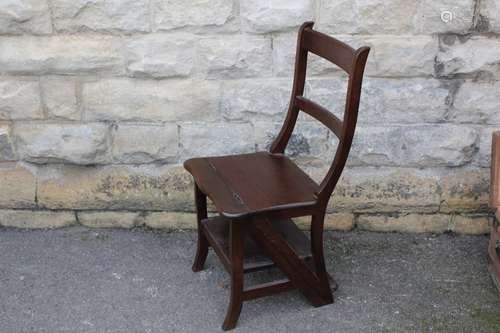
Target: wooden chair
x=257 y=194
x=493 y=250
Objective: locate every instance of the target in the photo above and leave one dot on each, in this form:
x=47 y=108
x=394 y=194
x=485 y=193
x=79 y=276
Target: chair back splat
x=353 y=63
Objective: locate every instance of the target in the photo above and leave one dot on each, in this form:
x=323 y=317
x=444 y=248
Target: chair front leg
x=236 y=243
x=318 y=256
x=200 y=200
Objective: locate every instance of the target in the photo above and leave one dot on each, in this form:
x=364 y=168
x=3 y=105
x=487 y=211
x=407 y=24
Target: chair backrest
x=495 y=171
x=353 y=63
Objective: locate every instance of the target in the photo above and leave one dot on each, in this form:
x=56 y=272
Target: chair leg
x=200 y=200
x=318 y=257
x=236 y=239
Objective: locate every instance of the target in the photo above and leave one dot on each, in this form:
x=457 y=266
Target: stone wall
x=102 y=101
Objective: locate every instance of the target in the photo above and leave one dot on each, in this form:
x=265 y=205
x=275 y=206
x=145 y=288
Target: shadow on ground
x=81 y=280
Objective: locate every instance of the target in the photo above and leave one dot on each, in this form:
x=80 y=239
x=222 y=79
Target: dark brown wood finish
x=493 y=248
x=257 y=194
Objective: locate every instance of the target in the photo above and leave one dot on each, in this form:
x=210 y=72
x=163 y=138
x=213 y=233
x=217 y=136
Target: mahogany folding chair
x=493 y=248
x=257 y=194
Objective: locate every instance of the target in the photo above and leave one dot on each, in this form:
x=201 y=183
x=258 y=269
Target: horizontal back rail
x=321 y=114
x=329 y=48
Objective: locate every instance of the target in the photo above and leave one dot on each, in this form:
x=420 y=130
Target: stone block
x=170 y=220
x=18 y=186
x=412 y=223
x=144 y=143
x=35 y=219
x=144 y=187
x=70 y=143
x=7 y=152
x=465 y=190
x=59 y=96
x=20 y=99
x=25 y=16
x=150 y=101
x=100 y=15
x=110 y=219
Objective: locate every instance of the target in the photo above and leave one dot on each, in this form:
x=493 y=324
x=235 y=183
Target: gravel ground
x=96 y=280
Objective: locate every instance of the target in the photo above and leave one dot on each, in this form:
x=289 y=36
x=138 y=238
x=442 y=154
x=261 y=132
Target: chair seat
x=240 y=185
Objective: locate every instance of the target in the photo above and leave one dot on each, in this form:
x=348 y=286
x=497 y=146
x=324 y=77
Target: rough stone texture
x=202 y=139
x=336 y=221
x=146 y=187
x=18 y=184
x=6 y=148
x=59 y=95
x=235 y=56
x=144 y=143
x=386 y=190
x=160 y=55
x=472 y=225
x=20 y=99
x=72 y=143
x=34 y=219
x=101 y=101
x=387 y=100
x=111 y=219
x=435 y=223
x=173 y=14
x=413 y=146
x=100 y=15
x=170 y=220
x=477 y=102
x=394 y=16
x=255 y=99
x=60 y=55
x=455 y=56
x=138 y=100
x=25 y=16
x=465 y=190
x=263 y=16
x=488 y=19
x=483 y=157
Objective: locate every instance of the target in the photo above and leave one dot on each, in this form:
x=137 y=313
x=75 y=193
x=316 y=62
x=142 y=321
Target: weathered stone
x=59 y=95
x=146 y=187
x=415 y=223
x=418 y=145
x=34 y=219
x=397 y=56
x=477 y=102
x=144 y=144
x=267 y=16
x=336 y=221
x=483 y=158
x=470 y=224
x=253 y=100
x=72 y=143
x=284 y=48
x=309 y=143
x=20 y=99
x=489 y=16
x=386 y=100
x=61 y=55
x=160 y=55
x=235 y=56
x=170 y=220
x=386 y=190
x=207 y=139
x=110 y=219
x=100 y=15
x=172 y=14
x=394 y=16
x=6 y=148
x=24 y=16
x=431 y=16
x=18 y=186
x=455 y=56
x=400 y=56
x=138 y=100
x=465 y=190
